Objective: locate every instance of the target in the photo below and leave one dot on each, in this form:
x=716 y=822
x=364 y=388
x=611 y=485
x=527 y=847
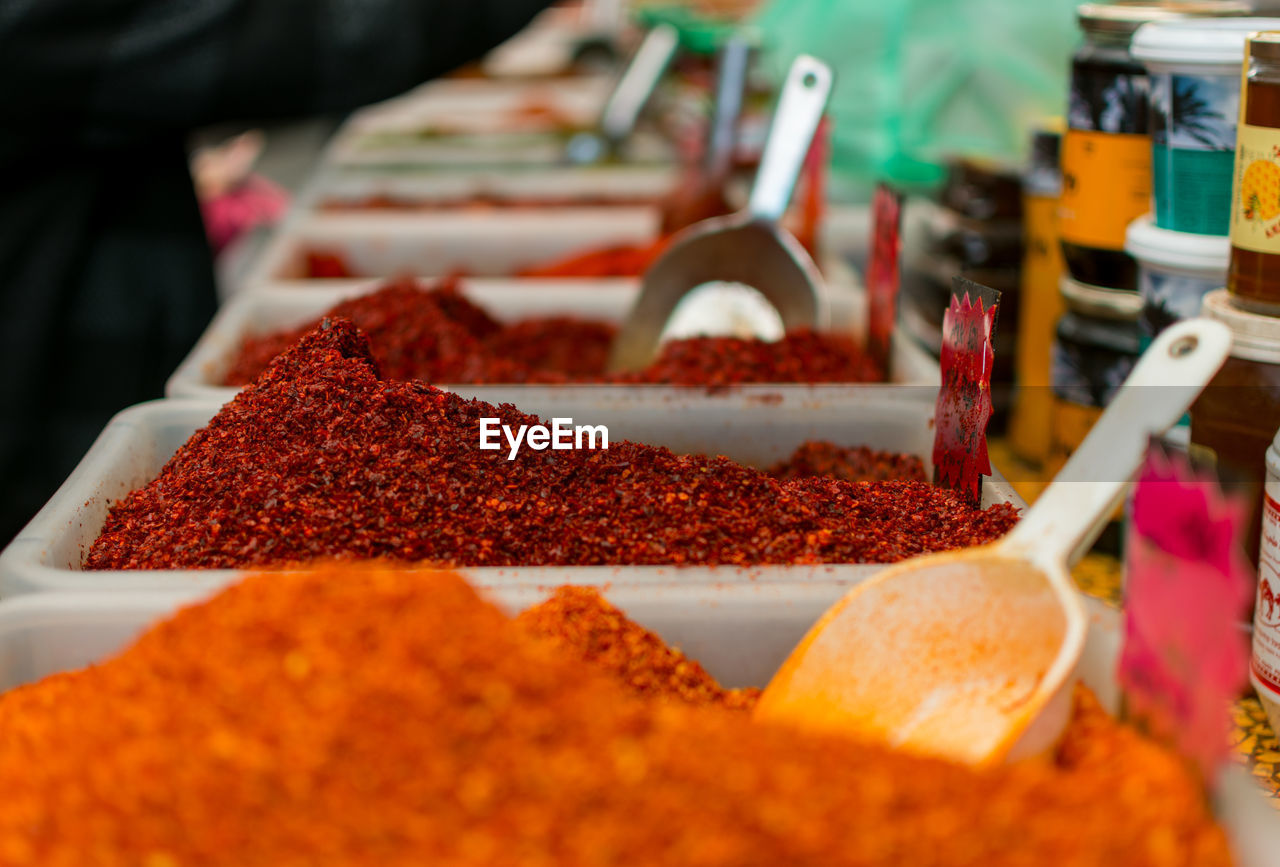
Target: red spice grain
x=375 y=717
x=619 y=260
x=320 y=458
x=583 y=624
x=851 y=463
x=800 y=356
x=435 y=334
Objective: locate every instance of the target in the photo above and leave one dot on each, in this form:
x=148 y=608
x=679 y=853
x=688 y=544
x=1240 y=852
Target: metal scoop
x=971 y=655
x=748 y=247
x=699 y=195
x=630 y=96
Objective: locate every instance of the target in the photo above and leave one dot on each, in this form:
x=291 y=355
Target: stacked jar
x=1237 y=416
x=1182 y=247
x=1107 y=157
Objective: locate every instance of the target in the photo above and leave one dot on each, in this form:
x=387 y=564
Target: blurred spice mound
x=436 y=334
x=375 y=717
x=582 y=622
x=321 y=458
x=851 y=463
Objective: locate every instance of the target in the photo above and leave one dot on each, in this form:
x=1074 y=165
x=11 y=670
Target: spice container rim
x=1121 y=305
x=47 y=554
x=1123 y=19
x=1254 y=337
x=47 y=634
x=1198 y=42
x=1146 y=241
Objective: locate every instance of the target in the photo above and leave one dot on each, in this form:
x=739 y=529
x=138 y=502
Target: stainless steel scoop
x=629 y=97
x=747 y=247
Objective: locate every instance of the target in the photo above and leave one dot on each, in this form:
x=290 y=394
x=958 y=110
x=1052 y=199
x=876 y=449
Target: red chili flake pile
x=619 y=260
x=800 y=356
x=375 y=717
x=438 y=335
x=851 y=463
x=582 y=623
x=325 y=265
x=321 y=458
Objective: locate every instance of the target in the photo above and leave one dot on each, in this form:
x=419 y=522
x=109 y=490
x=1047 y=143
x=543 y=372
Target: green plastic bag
x=918 y=81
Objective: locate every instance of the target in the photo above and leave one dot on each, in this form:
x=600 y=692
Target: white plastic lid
x=1254 y=337
x=1197 y=42
x=1147 y=242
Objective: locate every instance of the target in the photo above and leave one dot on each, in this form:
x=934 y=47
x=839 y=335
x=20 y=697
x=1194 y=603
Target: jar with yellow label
x=1253 y=278
x=1106 y=150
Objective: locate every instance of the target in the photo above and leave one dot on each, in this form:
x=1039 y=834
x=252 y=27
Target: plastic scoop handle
x=1162 y=386
x=804 y=98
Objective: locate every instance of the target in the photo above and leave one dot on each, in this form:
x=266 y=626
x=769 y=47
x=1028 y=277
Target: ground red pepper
x=325 y=265
x=618 y=260
x=483 y=202
x=374 y=717
x=800 y=356
x=851 y=463
x=584 y=625
x=437 y=335
x=320 y=458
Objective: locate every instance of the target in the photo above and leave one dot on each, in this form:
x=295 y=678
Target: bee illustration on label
x=1260 y=191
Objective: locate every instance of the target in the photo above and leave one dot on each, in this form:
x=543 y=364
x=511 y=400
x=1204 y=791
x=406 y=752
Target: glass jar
x=1095 y=347
x=1236 y=416
x=1253 y=277
x=1106 y=151
x=1041 y=301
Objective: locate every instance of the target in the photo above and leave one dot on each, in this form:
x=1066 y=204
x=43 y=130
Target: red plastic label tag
x=882 y=272
x=964 y=400
x=1188 y=590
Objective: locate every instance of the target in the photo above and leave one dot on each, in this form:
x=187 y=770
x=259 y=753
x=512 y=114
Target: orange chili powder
x=367 y=716
x=584 y=624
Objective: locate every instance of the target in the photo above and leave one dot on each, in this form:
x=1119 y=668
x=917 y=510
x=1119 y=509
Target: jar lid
x=1253 y=336
x=1100 y=302
x=1125 y=18
x=1146 y=241
x=1203 y=43
x=1265 y=45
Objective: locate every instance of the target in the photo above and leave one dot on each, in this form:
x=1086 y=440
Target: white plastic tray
x=483 y=106
x=755 y=425
x=427 y=188
x=740 y=633
x=433 y=244
x=277 y=306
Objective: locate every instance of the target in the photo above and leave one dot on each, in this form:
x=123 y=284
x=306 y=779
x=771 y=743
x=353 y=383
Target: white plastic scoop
x=971 y=655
